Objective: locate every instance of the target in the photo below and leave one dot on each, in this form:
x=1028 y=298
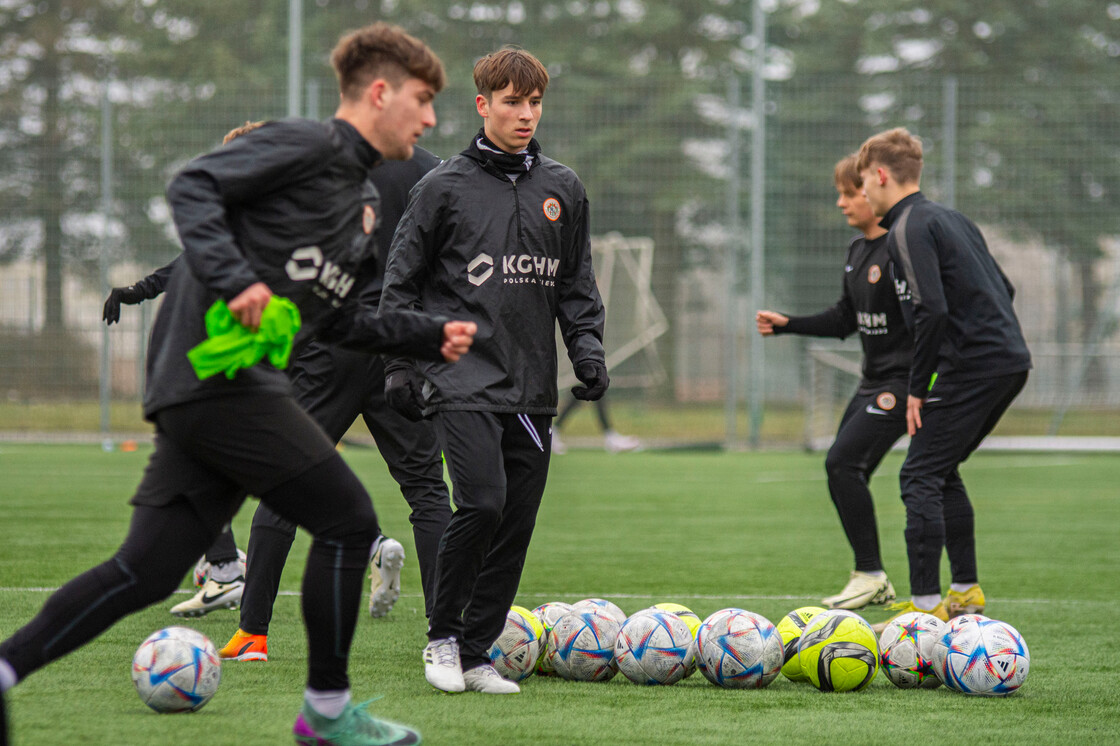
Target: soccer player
x=498 y=234
x=613 y=441
x=875 y=418
x=970 y=361
x=282 y=209
x=335 y=386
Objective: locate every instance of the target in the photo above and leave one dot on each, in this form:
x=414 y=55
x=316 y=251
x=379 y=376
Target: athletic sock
x=926 y=603
x=328 y=704
x=8 y=676
x=961 y=587
x=880 y=574
x=226 y=572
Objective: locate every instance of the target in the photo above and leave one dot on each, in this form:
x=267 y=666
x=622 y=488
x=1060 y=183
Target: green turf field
x=754 y=530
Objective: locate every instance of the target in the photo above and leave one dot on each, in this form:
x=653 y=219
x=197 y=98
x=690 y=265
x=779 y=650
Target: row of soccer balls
x=835 y=650
x=178 y=669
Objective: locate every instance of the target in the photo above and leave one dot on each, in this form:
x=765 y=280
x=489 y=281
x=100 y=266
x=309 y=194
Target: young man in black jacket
x=875 y=418
x=497 y=234
x=970 y=361
x=335 y=385
x=284 y=209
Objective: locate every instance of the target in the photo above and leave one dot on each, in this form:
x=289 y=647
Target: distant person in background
x=613 y=441
x=875 y=418
x=970 y=361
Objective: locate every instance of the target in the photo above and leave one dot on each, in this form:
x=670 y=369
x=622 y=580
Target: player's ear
x=483 y=105
x=376 y=92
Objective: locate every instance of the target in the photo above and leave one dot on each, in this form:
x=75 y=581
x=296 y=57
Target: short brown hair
x=846 y=174
x=382 y=50
x=510 y=65
x=239 y=131
x=896 y=150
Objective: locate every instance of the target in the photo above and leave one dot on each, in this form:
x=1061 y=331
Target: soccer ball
x=547 y=614
x=988 y=658
x=693 y=621
x=790 y=628
x=602 y=605
x=838 y=651
x=703 y=630
x=176 y=670
x=583 y=641
x=514 y=654
x=740 y=650
x=941 y=644
x=653 y=647
x=202 y=568
x=906 y=650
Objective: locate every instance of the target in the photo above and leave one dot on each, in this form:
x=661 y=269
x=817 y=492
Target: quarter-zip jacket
x=513 y=256
x=868 y=304
x=964 y=325
x=289 y=204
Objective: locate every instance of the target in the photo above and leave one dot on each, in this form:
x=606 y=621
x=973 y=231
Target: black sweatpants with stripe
x=208 y=455
x=336 y=386
x=955 y=419
x=499 y=466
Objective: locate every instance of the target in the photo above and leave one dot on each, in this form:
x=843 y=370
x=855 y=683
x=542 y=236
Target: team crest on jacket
x=886 y=401
x=368 y=219
x=552 y=209
x=874 y=274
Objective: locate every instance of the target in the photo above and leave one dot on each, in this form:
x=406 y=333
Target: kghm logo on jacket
x=480 y=269
x=524 y=269
x=332 y=283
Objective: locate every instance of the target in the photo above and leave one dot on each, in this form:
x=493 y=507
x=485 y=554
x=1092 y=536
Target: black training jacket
x=868 y=304
x=964 y=325
x=289 y=204
x=515 y=257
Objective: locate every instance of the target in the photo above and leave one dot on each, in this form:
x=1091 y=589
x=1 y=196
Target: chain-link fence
x=1036 y=172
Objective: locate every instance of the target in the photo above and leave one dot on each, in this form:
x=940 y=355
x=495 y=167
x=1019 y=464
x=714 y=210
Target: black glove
x=403 y=393
x=129 y=295
x=593 y=375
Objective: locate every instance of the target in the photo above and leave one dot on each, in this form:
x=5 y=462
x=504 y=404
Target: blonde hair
x=239 y=131
x=846 y=174
x=896 y=150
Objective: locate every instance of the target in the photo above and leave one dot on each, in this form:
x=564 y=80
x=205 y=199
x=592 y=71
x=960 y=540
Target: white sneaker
x=441 y=665
x=487 y=680
x=213 y=595
x=385 y=576
x=619 y=443
x=862 y=589
x=558 y=446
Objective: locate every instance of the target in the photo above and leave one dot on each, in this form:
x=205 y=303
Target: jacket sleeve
x=408 y=264
x=363 y=327
x=836 y=321
x=153 y=285
x=580 y=311
x=920 y=260
x=203 y=192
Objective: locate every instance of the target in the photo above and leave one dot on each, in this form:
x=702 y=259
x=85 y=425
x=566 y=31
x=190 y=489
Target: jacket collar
x=896 y=210
x=366 y=154
x=493 y=162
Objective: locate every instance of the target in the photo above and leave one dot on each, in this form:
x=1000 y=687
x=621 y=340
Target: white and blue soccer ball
x=548 y=614
x=941 y=645
x=654 y=647
x=602 y=604
x=583 y=644
x=514 y=654
x=702 y=630
x=986 y=658
x=740 y=650
x=176 y=670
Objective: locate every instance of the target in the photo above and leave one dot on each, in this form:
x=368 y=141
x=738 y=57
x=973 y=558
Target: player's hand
x=914 y=414
x=111 y=313
x=249 y=305
x=404 y=393
x=593 y=375
x=457 y=339
x=767 y=320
